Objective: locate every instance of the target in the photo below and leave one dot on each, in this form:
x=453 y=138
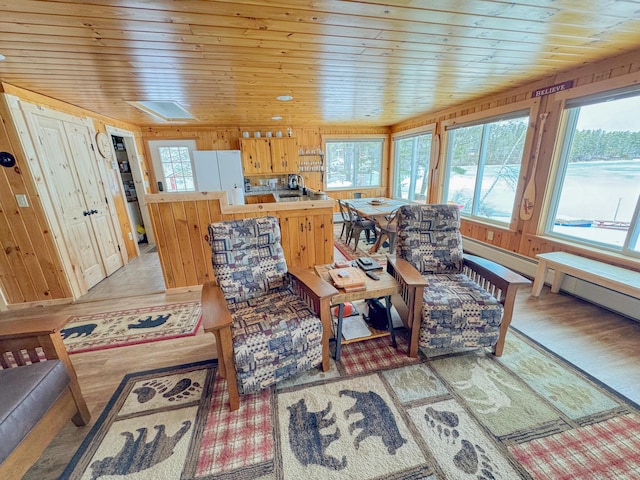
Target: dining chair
x=388 y=230
x=270 y=321
x=346 y=220
x=358 y=224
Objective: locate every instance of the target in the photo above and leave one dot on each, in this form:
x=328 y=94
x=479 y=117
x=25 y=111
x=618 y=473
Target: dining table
x=377 y=209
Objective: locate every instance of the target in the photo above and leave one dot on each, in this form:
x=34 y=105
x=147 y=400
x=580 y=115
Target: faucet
x=301 y=183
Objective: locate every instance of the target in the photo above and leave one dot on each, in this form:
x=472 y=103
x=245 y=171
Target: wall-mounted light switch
x=22 y=200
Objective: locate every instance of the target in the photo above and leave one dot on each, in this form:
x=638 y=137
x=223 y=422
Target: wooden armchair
x=270 y=322
x=24 y=345
x=449 y=300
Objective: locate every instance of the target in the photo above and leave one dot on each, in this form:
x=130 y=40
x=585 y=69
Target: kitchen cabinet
x=180 y=222
x=265 y=156
x=284 y=155
x=256 y=156
x=309 y=236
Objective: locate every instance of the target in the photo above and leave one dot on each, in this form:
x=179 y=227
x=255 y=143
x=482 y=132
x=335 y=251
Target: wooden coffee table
x=383 y=288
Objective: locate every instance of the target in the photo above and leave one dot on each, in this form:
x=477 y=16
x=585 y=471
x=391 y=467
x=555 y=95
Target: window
x=172 y=164
x=483 y=166
x=596 y=195
x=353 y=163
x=411 y=174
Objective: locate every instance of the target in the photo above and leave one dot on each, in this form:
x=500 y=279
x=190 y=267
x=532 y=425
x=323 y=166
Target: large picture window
x=596 y=195
x=353 y=163
x=411 y=174
x=483 y=166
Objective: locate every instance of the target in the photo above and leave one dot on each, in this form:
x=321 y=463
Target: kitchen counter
x=180 y=223
x=282 y=196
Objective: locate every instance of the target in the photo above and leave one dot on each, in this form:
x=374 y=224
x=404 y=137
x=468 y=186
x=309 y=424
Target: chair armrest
x=27 y=337
x=493 y=277
x=215 y=313
x=494 y=273
x=31 y=326
x=406 y=273
x=313 y=283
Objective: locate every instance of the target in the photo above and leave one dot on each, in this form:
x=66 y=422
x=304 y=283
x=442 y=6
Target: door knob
x=85 y=213
x=93 y=211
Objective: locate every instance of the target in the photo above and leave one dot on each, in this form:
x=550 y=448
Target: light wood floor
x=143 y=275
x=602 y=343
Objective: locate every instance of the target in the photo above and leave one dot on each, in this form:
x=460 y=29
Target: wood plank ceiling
x=368 y=63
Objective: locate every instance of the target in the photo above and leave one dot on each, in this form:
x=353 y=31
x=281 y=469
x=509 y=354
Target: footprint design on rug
x=184 y=388
x=437 y=419
x=470 y=457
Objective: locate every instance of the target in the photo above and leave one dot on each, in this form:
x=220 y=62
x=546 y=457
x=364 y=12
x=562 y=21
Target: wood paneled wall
x=31 y=272
x=227 y=138
x=30 y=269
x=181 y=221
x=525 y=238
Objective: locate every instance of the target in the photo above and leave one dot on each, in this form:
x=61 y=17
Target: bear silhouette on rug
x=377 y=420
x=149 y=323
x=137 y=454
x=306 y=442
x=78 y=331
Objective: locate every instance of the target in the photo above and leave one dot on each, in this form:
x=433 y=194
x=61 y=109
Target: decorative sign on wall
x=7 y=160
x=541 y=92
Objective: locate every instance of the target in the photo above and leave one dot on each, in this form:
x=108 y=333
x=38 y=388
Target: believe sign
x=541 y=92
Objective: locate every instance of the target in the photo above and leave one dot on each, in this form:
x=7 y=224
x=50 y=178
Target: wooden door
x=57 y=164
x=87 y=168
x=256 y=155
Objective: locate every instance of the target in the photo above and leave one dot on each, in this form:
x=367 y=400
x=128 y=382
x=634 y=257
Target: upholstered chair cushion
x=458 y=313
x=274 y=337
x=274 y=333
x=429 y=238
x=247 y=257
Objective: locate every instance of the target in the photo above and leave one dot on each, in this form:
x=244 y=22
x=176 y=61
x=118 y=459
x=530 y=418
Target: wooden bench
x=609 y=276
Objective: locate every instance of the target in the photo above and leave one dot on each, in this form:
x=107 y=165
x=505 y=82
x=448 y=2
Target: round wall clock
x=104 y=145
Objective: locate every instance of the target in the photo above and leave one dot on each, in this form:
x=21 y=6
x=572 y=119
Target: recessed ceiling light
x=276 y=118
x=284 y=98
x=165 y=110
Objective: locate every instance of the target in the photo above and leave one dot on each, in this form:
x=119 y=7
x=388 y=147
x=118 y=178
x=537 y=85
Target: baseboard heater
x=604 y=297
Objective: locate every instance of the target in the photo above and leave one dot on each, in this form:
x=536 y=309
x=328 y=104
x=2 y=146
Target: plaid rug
x=99 y=331
x=377 y=414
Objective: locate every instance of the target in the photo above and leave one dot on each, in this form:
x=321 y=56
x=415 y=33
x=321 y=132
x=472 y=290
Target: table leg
x=339 y=331
x=387 y=302
x=538 y=282
x=558 y=275
x=376 y=245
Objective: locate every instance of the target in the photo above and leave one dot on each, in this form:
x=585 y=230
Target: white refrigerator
x=217 y=170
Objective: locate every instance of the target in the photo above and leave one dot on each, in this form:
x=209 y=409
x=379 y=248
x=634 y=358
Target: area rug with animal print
x=129 y=327
x=375 y=414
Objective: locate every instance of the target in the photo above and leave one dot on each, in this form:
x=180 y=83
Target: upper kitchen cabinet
x=269 y=155
x=256 y=155
x=284 y=155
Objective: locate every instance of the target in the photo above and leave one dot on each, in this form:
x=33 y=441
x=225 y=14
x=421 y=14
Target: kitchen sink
x=289 y=195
